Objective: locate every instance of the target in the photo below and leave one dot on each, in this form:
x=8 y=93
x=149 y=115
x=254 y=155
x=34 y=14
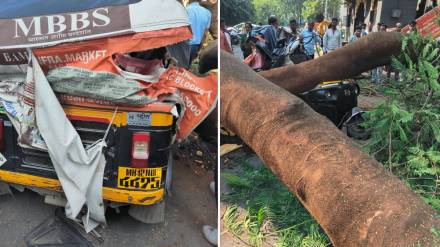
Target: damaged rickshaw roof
x=40 y=23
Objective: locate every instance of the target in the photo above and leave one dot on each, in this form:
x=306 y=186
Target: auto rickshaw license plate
x=139 y=178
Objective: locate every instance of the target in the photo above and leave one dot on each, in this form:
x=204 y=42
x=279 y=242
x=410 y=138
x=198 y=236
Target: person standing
x=357 y=34
x=236 y=44
x=390 y=67
x=321 y=25
x=332 y=37
x=311 y=39
x=364 y=31
x=412 y=27
x=398 y=27
x=245 y=42
x=293 y=25
x=293 y=34
x=270 y=33
x=200 y=20
x=376 y=74
x=296 y=51
x=225 y=40
x=378 y=26
x=212 y=6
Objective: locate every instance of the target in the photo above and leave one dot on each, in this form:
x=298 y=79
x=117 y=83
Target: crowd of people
x=269 y=46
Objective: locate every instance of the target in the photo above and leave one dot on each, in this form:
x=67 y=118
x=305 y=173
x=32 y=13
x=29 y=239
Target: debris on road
x=57 y=230
x=227 y=148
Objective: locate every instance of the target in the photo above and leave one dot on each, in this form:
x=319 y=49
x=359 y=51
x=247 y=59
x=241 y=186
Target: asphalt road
x=190 y=206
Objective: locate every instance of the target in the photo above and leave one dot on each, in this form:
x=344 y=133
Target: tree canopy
x=236 y=11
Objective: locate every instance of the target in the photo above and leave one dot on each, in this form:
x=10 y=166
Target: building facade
x=389 y=12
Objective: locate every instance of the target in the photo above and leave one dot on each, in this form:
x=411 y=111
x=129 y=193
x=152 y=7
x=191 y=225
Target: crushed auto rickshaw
x=93 y=96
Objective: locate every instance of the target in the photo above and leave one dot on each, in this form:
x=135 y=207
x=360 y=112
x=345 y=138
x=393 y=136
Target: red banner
x=198 y=94
x=427 y=24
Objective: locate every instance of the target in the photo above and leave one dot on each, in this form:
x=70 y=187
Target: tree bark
x=355 y=200
x=368 y=52
x=212 y=5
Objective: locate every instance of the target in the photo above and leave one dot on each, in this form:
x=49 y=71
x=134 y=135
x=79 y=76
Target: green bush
x=406 y=127
x=271 y=214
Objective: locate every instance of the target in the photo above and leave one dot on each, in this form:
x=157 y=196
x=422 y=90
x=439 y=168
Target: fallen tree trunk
x=355 y=200
x=368 y=52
